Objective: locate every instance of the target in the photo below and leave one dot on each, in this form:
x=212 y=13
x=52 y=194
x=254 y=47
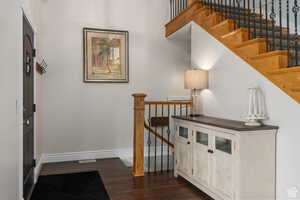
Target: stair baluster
x=239 y=12
x=177 y=8
x=214 y=6
x=174 y=9
x=230 y=7
x=221 y=6
x=226 y=9
x=288 y=28
x=254 y=19
x=280 y=23
x=162 y=144
x=245 y=12
x=149 y=138
x=168 y=132
x=249 y=14
x=273 y=17
x=261 y=18
x=233 y=9
x=171 y=10
x=295 y=11
x=155 y=141
x=267 y=27
x=180 y=6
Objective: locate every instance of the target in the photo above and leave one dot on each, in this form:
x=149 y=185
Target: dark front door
x=28 y=108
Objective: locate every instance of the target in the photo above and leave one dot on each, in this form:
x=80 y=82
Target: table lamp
x=195 y=79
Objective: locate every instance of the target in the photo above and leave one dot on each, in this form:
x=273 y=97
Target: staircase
x=264 y=33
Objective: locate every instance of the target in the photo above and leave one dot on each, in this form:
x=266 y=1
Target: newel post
x=138 y=143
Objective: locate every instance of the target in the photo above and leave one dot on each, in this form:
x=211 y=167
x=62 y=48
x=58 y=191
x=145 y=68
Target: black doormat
x=78 y=186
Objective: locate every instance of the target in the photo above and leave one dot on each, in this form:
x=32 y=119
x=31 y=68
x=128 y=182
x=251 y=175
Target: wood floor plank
x=121 y=185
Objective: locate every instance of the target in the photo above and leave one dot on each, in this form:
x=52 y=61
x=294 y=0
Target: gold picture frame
x=105 y=55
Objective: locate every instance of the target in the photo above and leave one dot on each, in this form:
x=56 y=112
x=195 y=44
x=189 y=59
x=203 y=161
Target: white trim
x=20 y=108
x=37 y=169
x=74 y=156
x=125 y=154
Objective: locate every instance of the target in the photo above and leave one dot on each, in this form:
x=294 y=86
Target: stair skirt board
x=254 y=51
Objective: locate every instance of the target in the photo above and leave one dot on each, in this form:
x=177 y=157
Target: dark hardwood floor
x=121 y=185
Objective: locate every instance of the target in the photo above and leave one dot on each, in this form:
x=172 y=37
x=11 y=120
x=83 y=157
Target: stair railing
x=153 y=139
x=177 y=6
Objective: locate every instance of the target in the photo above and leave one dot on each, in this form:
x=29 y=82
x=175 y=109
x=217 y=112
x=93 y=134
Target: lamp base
x=253 y=122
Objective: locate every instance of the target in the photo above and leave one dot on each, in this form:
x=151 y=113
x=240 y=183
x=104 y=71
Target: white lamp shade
x=196 y=79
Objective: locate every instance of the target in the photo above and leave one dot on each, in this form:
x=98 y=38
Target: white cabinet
x=227 y=164
x=183 y=151
x=201 y=157
x=223 y=164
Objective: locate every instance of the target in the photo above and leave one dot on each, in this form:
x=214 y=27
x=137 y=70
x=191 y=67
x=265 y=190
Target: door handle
x=27 y=122
x=210 y=151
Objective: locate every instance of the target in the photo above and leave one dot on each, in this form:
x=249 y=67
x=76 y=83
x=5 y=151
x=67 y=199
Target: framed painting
x=105 y=56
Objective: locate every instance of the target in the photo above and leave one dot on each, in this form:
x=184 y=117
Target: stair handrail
x=158 y=135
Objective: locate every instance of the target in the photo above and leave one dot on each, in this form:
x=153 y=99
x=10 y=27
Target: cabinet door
x=201 y=157
x=183 y=151
x=223 y=164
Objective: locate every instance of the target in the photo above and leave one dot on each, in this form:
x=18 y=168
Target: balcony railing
x=153 y=138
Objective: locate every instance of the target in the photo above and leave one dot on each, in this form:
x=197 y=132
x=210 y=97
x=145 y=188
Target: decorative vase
x=256 y=108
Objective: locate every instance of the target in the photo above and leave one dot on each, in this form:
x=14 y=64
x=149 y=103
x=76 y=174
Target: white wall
x=10 y=131
x=227 y=97
x=87 y=117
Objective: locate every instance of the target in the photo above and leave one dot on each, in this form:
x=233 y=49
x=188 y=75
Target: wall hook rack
x=41 y=67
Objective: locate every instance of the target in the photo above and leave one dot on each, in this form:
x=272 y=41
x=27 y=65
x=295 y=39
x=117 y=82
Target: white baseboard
x=38 y=168
x=125 y=154
x=74 y=156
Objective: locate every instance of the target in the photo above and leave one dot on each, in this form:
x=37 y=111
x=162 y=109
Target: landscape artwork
x=105 y=55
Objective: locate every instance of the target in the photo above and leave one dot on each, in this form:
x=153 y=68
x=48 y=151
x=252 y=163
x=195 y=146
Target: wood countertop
x=225 y=123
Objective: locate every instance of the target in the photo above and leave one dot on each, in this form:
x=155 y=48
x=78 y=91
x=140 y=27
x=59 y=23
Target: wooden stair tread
x=295 y=89
x=203 y=8
x=227 y=21
x=248 y=42
x=201 y=11
x=234 y=32
x=214 y=14
x=271 y=53
x=285 y=70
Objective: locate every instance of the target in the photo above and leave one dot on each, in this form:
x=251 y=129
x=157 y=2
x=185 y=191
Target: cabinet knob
x=210 y=151
x=188 y=142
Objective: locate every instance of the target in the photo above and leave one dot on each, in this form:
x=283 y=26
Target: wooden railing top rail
x=168 y=102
